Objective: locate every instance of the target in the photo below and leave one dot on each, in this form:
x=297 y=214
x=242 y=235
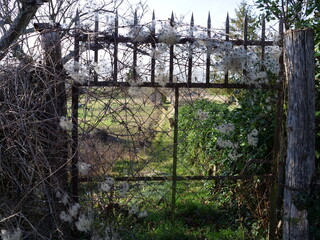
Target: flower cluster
x=65 y=124
x=71 y=214
x=225 y=143
x=202 y=115
x=84 y=168
x=168 y=35
x=226 y=128
x=11 y=235
x=253 y=137
x=84 y=223
x=124 y=188
x=102 y=68
x=107 y=184
x=233 y=59
x=134 y=210
x=271 y=61
x=138 y=33
x=78 y=72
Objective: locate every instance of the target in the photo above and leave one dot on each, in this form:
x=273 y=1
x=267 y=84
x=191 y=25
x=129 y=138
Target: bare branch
x=27 y=12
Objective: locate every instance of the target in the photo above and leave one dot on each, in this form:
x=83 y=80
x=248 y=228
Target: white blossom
x=84 y=223
x=124 y=188
x=65 y=217
x=234 y=155
x=74 y=209
x=226 y=128
x=202 y=115
x=84 y=168
x=105 y=187
x=65 y=199
x=107 y=184
x=110 y=180
x=143 y=214
x=138 y=33
x=224 y=143
x=168 y=35
x=11 y=235
x=252 y=137
x=65 y=124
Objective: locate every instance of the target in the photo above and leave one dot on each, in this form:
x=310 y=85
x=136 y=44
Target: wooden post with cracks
x=55 y=138
x=300 y=162
x=55 y=145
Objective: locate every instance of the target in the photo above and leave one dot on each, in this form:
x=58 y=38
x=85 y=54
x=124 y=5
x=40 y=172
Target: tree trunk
x=300 y=162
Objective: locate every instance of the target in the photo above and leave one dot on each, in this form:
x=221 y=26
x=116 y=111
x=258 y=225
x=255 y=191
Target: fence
x=127 y=118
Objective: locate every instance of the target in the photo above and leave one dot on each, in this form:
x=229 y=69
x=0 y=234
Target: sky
x=200 y=8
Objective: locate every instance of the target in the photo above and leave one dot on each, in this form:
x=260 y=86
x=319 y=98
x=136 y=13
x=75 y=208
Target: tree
x=237 y=24
x=17 y=15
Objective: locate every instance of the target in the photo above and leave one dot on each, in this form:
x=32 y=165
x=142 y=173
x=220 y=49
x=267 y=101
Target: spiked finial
x=135 y=21
x=172 y=20
x=227 y=27
x=192 y=20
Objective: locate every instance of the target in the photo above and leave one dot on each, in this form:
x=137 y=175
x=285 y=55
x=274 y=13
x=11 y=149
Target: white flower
x=105 y=187
x=14 y=235
x=107 y=184
x=78 y=78
x=84 y=223
x=65 y=199
x=202 y=115
x=143 y=214
x=138 y=33
x=124 y=188
x=65 y=124
x=253 y=137
x=168 y=35
x=110 y=180
x=226 y=128
x=65 y=217
x=73 y=210
x=224 y=143
x=254 y=132
x=83 y=167
x=234 y=155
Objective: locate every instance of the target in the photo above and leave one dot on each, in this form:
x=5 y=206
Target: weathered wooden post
x=53 y=82
x=55 y=138
x=300 y=162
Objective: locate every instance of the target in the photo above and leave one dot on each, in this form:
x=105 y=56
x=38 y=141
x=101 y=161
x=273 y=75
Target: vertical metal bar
x=263 y=37
x=245 y=32
x=190 y=51
x=135 y=50
x=74 y=113
x=245 y=38
x=153 y=45
x=175 y=161
x=208 y=62
x=171 y=53
x=96 y=53
x=115 y=52
x=276 y=192
x=226 y=75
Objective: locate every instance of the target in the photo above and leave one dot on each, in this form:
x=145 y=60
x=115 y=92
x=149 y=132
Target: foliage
x=243 y=11
x=293 y=13
x=199 y=137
